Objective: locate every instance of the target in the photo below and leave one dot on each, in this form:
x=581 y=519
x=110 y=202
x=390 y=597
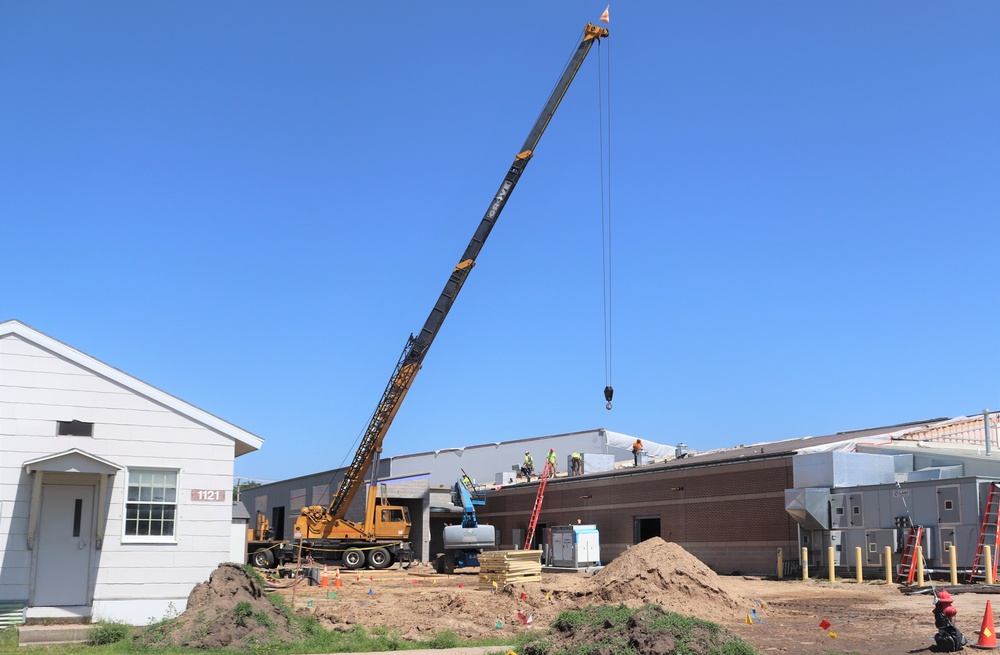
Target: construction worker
x=576 y=464
x=636 y=447
x=528 y=467
x=551 y=459
x=466 y=481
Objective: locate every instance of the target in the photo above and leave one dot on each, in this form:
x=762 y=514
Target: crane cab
x=391 y=522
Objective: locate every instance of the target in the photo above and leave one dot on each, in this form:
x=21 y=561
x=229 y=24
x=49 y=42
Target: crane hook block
x=609 y=392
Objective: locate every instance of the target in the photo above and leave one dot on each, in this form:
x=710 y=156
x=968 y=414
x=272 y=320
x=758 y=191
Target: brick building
x=725 y=508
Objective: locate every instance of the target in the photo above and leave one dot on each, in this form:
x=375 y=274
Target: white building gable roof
x=244 y=441
x=72 y=461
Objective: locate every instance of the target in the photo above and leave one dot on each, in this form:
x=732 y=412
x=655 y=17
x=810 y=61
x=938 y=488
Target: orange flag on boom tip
x=605 y=18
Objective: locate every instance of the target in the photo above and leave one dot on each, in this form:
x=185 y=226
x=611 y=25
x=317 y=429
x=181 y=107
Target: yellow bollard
x=829 y=562
x=888 y=564
x=805 y=563
x=953 y=563
x=988 y=558
x=918 y=552
x=857 y=564
x=781 y=564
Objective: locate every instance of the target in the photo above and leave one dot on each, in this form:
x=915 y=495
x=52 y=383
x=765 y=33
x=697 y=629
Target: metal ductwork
x=809 y=507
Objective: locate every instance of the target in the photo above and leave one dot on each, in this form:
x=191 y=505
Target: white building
x=115 y=497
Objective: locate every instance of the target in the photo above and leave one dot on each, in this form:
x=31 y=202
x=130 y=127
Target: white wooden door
x=64 y=547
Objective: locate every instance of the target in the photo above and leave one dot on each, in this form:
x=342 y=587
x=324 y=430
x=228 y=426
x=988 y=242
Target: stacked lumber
x=508 y=566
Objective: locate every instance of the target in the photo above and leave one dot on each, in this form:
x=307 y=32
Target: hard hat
x=552 y=450
x=949 y=611
x=527 y=452
x=944 y=597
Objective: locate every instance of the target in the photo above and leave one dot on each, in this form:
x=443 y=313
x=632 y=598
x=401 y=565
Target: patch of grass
x=9 y=637
x=444 y=639
x=108 y=632
x=264 y=621
x=622 y=630
x=387 y=639
x=242 y=611
x=253 y=573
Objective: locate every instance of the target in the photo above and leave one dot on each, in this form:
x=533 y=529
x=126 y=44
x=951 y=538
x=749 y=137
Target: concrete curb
x=50 y=635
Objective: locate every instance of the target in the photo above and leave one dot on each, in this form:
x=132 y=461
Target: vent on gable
x=75 y=429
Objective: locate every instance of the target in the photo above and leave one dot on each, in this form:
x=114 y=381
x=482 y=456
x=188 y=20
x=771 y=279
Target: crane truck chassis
x=384 y=543
x=382 y=537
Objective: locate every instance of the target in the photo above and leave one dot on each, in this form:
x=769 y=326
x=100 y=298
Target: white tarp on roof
x=653 y=449
x=846 y=446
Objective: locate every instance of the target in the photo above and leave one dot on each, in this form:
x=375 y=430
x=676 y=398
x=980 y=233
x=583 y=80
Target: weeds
x=108 y=632
x=444 y=639
x=264 y=621
x=8 y=638
x=619 y=629
x=242 y=611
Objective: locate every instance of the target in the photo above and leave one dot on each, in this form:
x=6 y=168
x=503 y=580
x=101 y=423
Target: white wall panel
x=120 y=578
x=139 y=611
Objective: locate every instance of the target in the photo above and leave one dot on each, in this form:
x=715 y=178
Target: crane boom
x=416 y=346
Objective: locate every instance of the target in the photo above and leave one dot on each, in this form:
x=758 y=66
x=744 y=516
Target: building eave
x=245 y=442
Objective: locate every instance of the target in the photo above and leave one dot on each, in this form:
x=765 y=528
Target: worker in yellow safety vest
x=528 y=466
x=551 y=459
x=576 y=460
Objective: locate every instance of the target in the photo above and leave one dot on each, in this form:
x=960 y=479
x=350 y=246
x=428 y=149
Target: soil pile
x=657 y=571
x=653 y=572
x=228 y=611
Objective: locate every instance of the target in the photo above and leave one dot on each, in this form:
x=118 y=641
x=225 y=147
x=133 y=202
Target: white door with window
x=65 y=546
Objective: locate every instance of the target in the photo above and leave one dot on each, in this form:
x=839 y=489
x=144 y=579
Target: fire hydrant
x=948 y=638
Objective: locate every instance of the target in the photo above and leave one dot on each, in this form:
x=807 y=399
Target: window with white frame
x=151 y=503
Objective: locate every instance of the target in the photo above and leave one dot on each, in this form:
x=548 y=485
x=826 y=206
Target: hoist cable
x=606 y=220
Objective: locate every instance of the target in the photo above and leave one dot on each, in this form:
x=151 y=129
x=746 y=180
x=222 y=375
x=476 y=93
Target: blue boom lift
x=463 y=543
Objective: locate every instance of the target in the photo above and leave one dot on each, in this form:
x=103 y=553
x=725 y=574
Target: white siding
x=134 y=581
x=238 y=541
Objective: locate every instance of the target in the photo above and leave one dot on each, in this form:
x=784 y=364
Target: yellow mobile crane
x=382 y=537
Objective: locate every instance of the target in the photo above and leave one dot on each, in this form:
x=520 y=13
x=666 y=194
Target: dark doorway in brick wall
x=540 y=539
x=645 y=527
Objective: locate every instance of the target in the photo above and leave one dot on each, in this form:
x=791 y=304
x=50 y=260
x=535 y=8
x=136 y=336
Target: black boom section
x=416 y=347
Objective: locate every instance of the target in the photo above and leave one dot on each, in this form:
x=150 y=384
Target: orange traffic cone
x=987 y=637
x=324 y=579
x=336 y=579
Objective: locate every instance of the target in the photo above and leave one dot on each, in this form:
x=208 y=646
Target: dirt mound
x=228 y=611
x=657 y=571
x=653 y=572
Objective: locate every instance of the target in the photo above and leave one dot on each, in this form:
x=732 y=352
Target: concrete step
x=50 y=635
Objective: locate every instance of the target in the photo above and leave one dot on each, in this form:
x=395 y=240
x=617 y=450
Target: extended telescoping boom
x=314 y=520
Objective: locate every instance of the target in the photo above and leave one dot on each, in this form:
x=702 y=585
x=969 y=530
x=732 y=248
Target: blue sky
x=251 y=205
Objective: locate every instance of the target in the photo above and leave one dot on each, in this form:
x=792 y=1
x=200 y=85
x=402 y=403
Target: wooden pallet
x=509 y=566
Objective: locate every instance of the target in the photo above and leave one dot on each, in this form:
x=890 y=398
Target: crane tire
x=263 y=558
x=379 y=558
x=354 y=558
